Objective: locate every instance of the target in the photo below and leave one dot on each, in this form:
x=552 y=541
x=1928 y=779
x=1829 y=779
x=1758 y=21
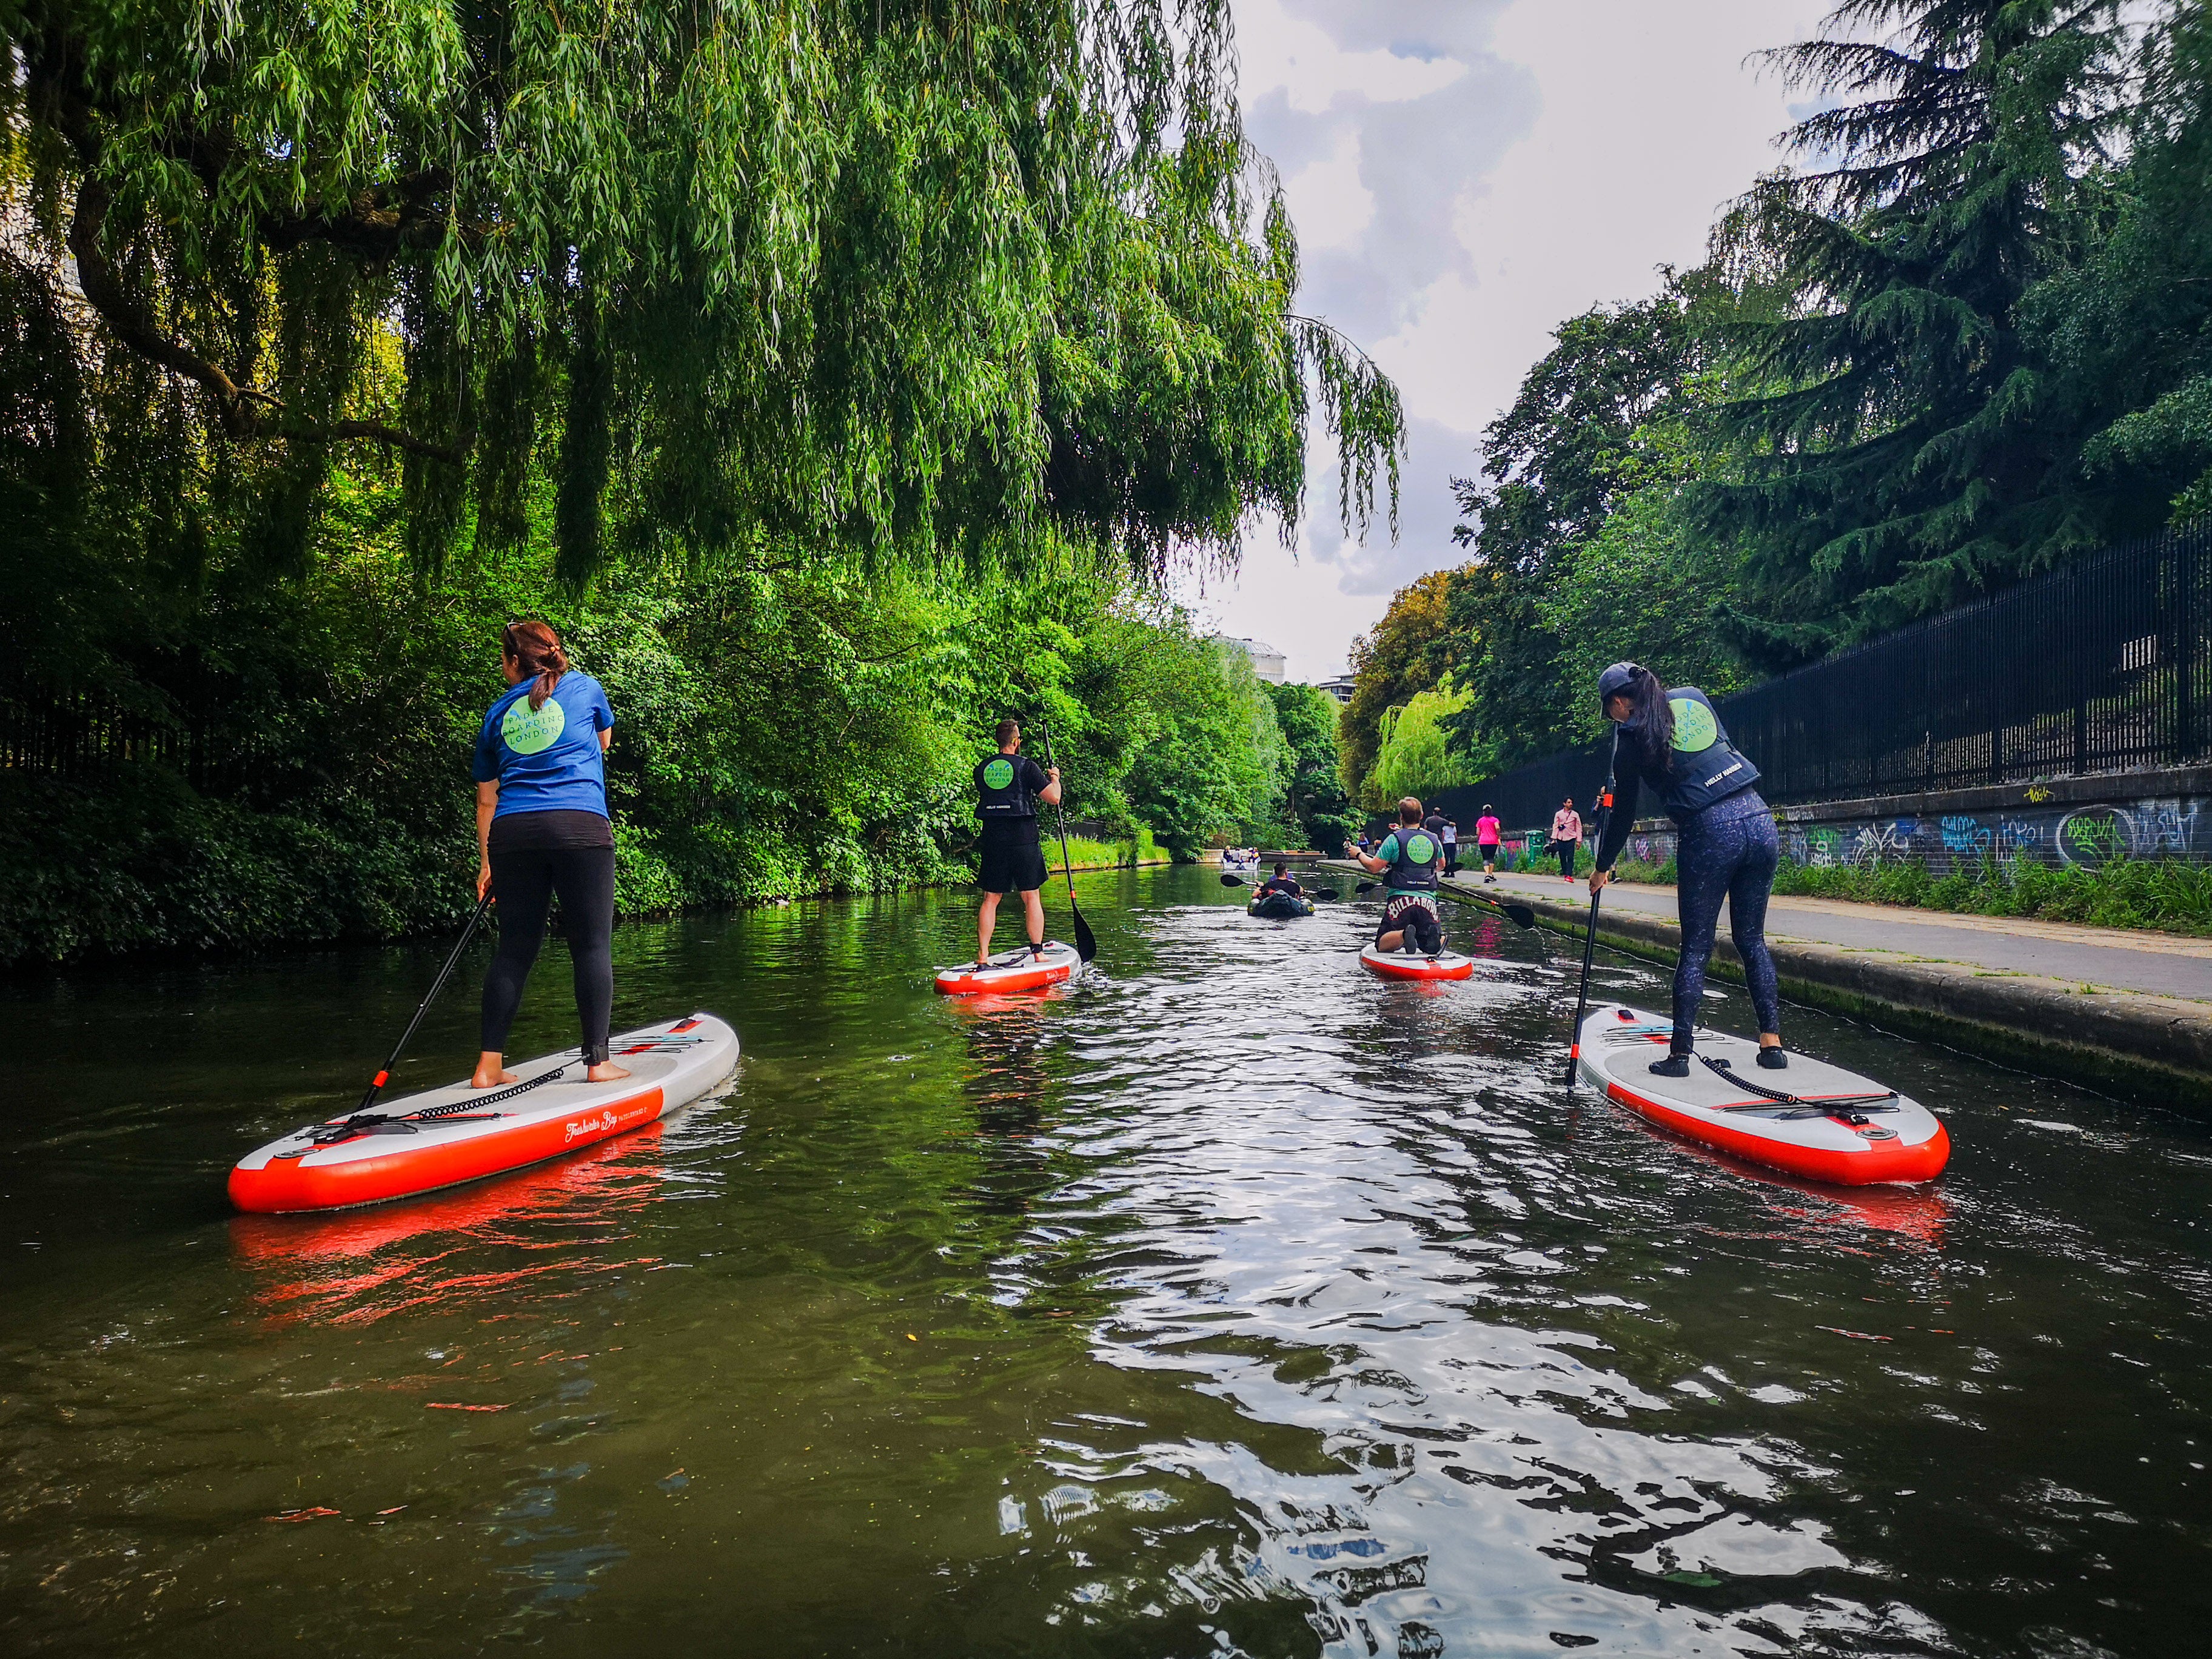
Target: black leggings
x=1729 y=851
x=1566 y=850
x=526 y=881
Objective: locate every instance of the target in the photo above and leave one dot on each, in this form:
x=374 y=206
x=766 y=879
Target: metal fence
x=2104 y=665
x=85 y=731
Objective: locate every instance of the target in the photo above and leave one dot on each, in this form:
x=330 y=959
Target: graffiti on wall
x=2084 y=837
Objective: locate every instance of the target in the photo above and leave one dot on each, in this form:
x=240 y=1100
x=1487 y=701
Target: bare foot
x=606 y=1071
x=492 y=1077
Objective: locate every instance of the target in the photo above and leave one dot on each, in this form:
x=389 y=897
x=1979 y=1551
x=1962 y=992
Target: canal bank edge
x=2132 y=1044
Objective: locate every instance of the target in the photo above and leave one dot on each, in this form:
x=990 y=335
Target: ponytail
x=536 y=648
x=1653 y=719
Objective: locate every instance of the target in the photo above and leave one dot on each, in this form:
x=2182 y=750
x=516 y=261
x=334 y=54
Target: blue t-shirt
x=547 y=761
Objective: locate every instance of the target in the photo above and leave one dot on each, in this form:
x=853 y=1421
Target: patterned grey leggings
x=1728 y=851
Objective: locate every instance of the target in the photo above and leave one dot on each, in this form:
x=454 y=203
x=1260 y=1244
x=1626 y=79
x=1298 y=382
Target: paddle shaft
x=384 y=1072
x=1589 y=943
x=1087 y=945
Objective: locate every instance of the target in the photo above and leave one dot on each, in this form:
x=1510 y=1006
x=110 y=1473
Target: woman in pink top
x=1567 y=837
x=1485 y=838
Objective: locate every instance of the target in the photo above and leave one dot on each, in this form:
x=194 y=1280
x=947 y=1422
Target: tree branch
x=240 y=410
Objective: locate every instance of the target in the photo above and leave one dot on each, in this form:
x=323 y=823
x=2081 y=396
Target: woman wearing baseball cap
x=1675 y=743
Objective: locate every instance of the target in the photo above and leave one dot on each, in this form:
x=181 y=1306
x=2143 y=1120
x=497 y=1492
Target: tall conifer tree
x=1897 y=450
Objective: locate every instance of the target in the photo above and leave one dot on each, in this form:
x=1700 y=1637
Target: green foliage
x=968 y=281
x=1594 y=426
x=1966 y=336
x=1314 y=799
x=779 y=733
x=1413 y=760
x=1407 y=652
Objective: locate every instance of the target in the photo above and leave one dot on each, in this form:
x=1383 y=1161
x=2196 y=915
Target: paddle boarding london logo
x=1421 y=849
x=1695 y=728
x=526 y=731
x=999 y=773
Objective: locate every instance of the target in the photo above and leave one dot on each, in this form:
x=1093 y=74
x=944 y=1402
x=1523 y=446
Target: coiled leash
x=1846 y=1107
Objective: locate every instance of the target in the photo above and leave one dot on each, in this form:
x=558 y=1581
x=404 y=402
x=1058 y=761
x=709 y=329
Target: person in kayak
x=1486 y=835
x=1008 y=787
x=1675 y=743
x=1407 y=860
x=1280 y=882
x=1567 y=837
x=543 y=828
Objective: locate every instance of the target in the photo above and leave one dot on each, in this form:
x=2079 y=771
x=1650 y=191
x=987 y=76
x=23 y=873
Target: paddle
x=384 y=1072
x=1086 y=946
x=1320 y=894
x=1519 y=914
x=1589 y=944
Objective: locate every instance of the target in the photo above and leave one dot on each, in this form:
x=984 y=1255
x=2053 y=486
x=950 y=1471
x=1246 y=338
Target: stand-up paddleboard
x=1396 y=964
x=443 y=1137
x=1279 y=906
x=1828 y=1124
x=1011 y=970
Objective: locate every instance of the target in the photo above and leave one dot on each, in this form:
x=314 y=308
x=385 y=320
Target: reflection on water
x=1232 y=1301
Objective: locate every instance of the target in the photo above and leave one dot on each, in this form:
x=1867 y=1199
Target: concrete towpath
x=2126 y=1011
x=2110 y=958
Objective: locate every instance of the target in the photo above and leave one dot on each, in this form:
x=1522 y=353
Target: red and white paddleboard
x=443 y=1137
x=1836 y=1126
x=1011 y=970
x=1396 y=964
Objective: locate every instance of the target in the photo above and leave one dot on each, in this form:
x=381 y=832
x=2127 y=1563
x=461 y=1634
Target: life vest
x=1413 y=867
x=1706 y=766
x=999 y=797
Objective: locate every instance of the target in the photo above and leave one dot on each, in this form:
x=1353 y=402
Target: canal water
x=1231 y=1302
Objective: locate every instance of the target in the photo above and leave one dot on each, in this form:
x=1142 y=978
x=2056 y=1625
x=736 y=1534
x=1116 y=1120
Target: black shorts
x=1415 y=912
x=1010 y=863
x=1489 y=852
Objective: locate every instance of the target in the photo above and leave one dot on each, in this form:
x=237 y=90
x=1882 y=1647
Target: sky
x=1464 y=175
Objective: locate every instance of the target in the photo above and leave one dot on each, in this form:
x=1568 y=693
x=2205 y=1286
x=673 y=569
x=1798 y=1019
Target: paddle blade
x=1365 y=887
x=1228 y=880
x=1324 y=895
x=1086 y=946
x=1520 y=915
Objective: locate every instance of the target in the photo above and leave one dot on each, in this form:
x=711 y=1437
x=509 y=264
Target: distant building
x=1340 y=687
x=1266 y=661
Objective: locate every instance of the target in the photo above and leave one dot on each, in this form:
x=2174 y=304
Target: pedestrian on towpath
x=1673 y=743
x=1567 y=837
x=1487 y=831
x=1008 y=787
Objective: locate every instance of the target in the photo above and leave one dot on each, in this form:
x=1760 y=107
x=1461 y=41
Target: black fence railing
x=85 y=731
x=2103 y=666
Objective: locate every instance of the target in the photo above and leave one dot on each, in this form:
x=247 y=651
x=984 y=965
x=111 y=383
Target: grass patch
x=1086 y=853
x=2154 y=895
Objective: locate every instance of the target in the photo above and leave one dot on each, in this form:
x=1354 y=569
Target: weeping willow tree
x=845 y=279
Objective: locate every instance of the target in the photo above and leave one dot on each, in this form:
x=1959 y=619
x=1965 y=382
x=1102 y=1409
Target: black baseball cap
x=1616 y=680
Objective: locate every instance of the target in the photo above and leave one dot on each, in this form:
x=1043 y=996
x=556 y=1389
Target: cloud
x=1466 y=174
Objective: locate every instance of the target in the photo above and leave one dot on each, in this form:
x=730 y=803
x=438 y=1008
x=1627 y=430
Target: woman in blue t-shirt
x=542 y=829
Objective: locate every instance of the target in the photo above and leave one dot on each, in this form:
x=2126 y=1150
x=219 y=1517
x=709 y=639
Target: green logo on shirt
x=1695 y=728
x=527 y=733
x=1000 y=773
x=1421 y=848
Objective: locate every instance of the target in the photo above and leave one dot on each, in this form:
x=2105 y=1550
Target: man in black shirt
x=1008 y=787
